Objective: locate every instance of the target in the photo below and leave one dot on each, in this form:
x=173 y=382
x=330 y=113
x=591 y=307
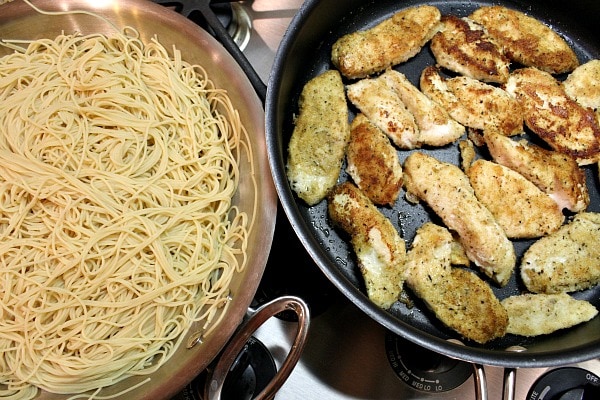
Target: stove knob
x=424 y=370
x=568 y=383
x=573 y=394
x=586 y=392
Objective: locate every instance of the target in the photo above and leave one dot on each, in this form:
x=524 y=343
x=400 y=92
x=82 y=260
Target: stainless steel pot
x=20 y=21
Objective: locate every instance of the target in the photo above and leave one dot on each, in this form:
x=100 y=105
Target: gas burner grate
x=230 y=14
x=229 y=23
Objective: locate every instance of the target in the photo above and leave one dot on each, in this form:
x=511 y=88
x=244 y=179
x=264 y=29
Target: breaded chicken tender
x=467 y=154
x=567 y=260
x=458 y=298
x=321 y=133
x=394 y=40
x=436 y=127
x=462 y=46
x=556 y=174
x=583 y=84
x=384 y=108
x=552 y=115
x=523 y=210
x=373 y=162
x=526 y=40
x=472 y=103
x=380 y=251
x=540 y=314
x=446 y=189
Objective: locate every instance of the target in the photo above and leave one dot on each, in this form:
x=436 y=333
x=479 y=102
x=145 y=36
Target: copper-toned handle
x=481 y=392
x=216 y=377
x=510 y=378
x=510 y=383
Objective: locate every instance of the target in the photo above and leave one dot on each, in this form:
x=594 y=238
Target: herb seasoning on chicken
x=446 y=189
x=380 y=251
x=373 y=162
x=567 y=260
x=321 y=134
x=394 y=40
x=458 y=298
x=526 y=40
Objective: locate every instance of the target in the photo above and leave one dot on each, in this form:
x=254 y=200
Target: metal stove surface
x=345 y=356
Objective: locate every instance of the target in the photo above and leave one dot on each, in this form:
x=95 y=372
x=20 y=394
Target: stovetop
x=347 y=354
x=350 y=356
x=346 y=358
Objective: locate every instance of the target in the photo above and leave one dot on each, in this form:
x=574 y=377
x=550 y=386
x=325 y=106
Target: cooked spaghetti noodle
x=118 y=165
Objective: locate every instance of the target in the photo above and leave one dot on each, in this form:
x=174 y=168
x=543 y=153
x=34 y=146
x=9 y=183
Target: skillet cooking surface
x=331 y=249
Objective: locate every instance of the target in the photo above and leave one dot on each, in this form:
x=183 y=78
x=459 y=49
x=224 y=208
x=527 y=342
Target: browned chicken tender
x=384 y=108
x=472 y=103
x=463 y=47
x=583 y=84
x=394 y=40
x=556 y=174
x=523 y=210
x=436 y=127
x=552 y=115
x=532 y=314
x=379 y=249
x=467 y=154
x=373 y=162
x=446 y=189
x=318 y=143
x=567 y=260
x=458 y=298
x=526 y=40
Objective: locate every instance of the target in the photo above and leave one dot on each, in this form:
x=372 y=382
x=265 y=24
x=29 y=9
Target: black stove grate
x=214 y=16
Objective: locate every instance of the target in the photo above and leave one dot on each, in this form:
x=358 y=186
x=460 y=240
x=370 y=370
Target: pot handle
x=510 y=377
x=481 y=392
x=216 y=377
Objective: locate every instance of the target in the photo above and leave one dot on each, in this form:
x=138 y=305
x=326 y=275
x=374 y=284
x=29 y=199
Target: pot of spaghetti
x=137 y=208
